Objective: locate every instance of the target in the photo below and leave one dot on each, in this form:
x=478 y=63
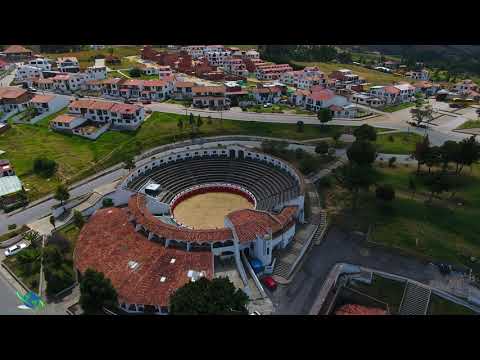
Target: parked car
x=31 y=89
x=269 y=282
x=12 y=250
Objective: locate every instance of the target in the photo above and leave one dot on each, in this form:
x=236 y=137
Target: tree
x=412 y=186
x=209 y=120
x=421 y=150
x=135 y=72
x=96 y=292
x=300 y=126
x=208 y=297
x=52 y=221
x=421 y=113
x=107 y=202
x=199 y=122
x=129 y=162
x=469 y=152
x=450 y=152
x=191 y=119
x=365 y=132
x=180 y=125
x=433 y=157
x=322 y=148
x=362 y=153
x=354 y=178
x=78 y=219
x=437 y=184
x=61 y=193
x=392 y=161
x=44 y=167
x=324 y=115
x=385 y=193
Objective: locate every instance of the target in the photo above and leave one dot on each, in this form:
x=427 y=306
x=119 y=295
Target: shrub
x=135 y=72
x=331 y=152
x=385 y=193
x=391 y=161
x=325 y=181
x=44 y=167
x=308 y=165
x=299 y=153
x=107 y=202
x=391 y=138
x=322 y=148
x=78 y=219
x=12 y=226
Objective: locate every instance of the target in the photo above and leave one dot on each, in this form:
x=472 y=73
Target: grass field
x=397 y=143
x=79 y=157
x=29 y=273
x=442 y=230
x=393 y=108
x=470 y=124
x=383 y=289
x=116 y=74
x=371 y=76
x=85 y=57
x=441 y=306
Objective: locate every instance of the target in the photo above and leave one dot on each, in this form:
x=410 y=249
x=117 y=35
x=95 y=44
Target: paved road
x=8 y=300
x=298 y=297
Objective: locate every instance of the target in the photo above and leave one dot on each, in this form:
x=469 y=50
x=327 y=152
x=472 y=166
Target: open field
x=470 y=124
x=371 y=76
x=440 y=306
x=85 y=57
x=393 y=108
x=78 y=157
x=445 y=230
x=397 y=143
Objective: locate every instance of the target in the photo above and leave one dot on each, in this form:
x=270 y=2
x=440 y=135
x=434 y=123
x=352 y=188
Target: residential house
x=67 y=122
x=41 y=83
x=13 y=99
x=67 y=83
x=392 y=65
x=252 y=63
x=263 y=95
x=94 y=85
x=41 y=63
x=68 y=64
x=157 y=89
x=48 y=103
x=319 y=98
x=346 y=76
x=96 y=72
x=4 y=65
x=195 y=51
x=468 y=88
x=235 y=66
x=131 y=88
x=183 y=89
x=422 y=75
x=15 y=53
x=394 y=94
x=304 y=79
x=164 y=71
x=426 y=87
x=111 y=87
x=271 y=71
x=367 y=100
x=25 y=72
x=6 y=168
x=209 y=96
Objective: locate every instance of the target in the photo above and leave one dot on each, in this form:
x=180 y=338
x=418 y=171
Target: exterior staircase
x=415 y=299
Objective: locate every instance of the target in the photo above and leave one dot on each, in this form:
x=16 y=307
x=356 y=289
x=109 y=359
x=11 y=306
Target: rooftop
x=10 y=185
x=42 y=98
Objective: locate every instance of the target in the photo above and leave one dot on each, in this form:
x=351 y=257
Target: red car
x=269 y=282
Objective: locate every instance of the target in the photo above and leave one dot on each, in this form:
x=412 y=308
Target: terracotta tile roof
x=124 y=108
x=93 y=82
x=159 y=83
x=214 y=89
x=61 y=77
x=133 y=82
x=139 y=210
x=108 y=243
x=184 y=84
x=355 y=309
x=335 y=108
x=65 y=118
x=11 y=92
x=3 y=62
x=42 y=98
x=16 y=49
x=322 y=94
x=391 y=90
x=44 y=81
x=113 y=81
x=92 y=104
x=250 y=223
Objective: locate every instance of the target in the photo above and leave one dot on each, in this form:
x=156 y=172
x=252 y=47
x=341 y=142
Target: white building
x=48 y=103
x=96 y=72
x=25 y=72
x=422 y=75
x=395 y=94
x=69 y=82
x=42 y=63
x=68 y=64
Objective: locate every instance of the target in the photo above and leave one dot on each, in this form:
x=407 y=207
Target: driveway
x=298 y=297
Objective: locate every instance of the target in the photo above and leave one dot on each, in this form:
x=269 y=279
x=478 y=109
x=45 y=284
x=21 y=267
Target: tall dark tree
x=421 y=150
x=433 y=157
x=450 y=153
x=469 y=152
x=208 y=297
x=97 y=292
x=129 y=162
x=299 y=126
x=61 y=193
x=322 y=148
x=365 y=132
x=385 y=193
x=362 y=153
x=355 y=178
x=324 y=115
x=437 y=184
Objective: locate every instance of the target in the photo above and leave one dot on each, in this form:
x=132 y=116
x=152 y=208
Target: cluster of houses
x=10 y=186
x=91 y=118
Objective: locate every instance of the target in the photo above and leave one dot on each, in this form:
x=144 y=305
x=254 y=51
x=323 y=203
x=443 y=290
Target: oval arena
x=209 y=201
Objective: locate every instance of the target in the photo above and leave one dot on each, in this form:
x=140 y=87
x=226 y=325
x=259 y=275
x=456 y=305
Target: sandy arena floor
x=207 y=211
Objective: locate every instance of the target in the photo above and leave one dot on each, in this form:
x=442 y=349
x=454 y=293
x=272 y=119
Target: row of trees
x=287 y=53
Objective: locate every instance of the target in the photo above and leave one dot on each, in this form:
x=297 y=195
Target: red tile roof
x=335 y=108
x=213 y=89
x=133 y=82
x=92 y=104
x=250 y=223
x=322 y=94
x=184 y=84
x=139 y=210
x=109 y=243
x=159 y=83
x=65 y=118
x=11 y=92
x=113 y=81
x=124 y=108
x=61 y=77
x=391 y=90
x=16 y=49
x=42 y=98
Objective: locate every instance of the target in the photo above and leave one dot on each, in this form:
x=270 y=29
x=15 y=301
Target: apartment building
x=68 y=64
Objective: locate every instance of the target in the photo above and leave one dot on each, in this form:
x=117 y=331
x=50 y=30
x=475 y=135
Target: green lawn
x=383 y=289
x=470 y=124
x=79 y=157
x=277 y=108
x=116 y=74
x=393 y=108
x=13 y=233
x=441 y=306
x=28 y=273
x=397 y=143
x=373 y=77
x=70 y=232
